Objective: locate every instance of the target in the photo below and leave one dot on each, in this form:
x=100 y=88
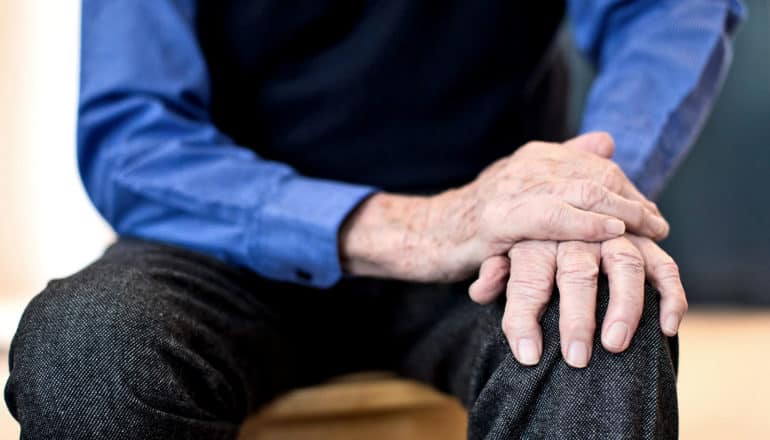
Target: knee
x=638 y=383
x=650 y=351
x=648 y=343
x=75 y=316
x=71 y=343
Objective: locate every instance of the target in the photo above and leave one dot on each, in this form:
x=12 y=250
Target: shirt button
x=304 y=276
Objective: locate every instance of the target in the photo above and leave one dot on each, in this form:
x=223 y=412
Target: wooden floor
x=724 y=385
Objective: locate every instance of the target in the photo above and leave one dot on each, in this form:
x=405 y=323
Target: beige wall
x=47 y=226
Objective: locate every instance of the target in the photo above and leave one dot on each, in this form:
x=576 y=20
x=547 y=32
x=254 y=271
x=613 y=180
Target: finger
x=616 y=180
x=653 y=207
x=594 y=151
x=630 y=191
x=597 y=142
x=603 y=170
x=493 y=275
x=663 y=274
x=624 y=266
x=529 y=288
x=591 y=196
x=577 y=275
x=553 y=219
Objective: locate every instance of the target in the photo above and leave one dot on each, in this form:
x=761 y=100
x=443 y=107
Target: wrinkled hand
x=543 y=191
x=527 y=275
x=569 y=191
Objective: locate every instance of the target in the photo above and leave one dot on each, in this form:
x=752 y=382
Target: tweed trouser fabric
x=156 y=342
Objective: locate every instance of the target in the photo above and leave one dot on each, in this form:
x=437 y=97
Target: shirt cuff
x=295 y=233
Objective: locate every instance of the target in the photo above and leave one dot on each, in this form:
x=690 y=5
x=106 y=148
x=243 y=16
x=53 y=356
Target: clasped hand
x=547 y=213
x=526 y=273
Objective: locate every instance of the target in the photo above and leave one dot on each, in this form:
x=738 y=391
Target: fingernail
x=615 y=227
x=671 y=325
x=577 y=354
x=616 y=334
x=528 y=352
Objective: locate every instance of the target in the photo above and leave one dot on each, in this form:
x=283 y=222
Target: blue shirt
x=175 y=145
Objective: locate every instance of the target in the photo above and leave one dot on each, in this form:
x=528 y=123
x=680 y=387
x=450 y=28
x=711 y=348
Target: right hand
x=543 y=191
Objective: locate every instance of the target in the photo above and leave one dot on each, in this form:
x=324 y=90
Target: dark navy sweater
x=401 y=94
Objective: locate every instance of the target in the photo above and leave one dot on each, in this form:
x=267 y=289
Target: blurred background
x=718 y=205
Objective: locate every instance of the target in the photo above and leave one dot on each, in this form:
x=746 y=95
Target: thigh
x=151 y=341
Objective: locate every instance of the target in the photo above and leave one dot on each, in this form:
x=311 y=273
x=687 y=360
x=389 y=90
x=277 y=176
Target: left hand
x=527 y=274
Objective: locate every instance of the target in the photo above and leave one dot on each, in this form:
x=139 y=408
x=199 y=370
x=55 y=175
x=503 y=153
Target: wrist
x=409 y=237
x=385 y=237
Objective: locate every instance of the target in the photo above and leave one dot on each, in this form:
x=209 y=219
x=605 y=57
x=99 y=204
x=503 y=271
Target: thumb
x=596 y=142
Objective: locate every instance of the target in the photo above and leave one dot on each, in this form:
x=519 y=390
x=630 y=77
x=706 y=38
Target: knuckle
x=578 y=273
x=529 y=251
x=627 y=261
x=667 y=270
x=516 y=326
x=612 y=175
x=496 y=275
x=532 y=290
x=676 y=307
x=507 y=327
x=508 y=330
x=637 y=214
x=551 y=217
x=606 y=138
x=681 y=306
x=497 y=166
x=614 y=169
x=591 y=194
x=530 y=146
x=577 y=323
x=596 y=229
x=577 y=265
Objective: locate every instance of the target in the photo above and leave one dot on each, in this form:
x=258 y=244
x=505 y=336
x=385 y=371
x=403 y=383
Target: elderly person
x=303 y=189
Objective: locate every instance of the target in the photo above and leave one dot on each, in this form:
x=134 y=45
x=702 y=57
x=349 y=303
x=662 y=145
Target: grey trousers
x=156 y=342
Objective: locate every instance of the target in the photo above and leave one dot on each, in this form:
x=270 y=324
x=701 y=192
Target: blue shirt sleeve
x=660 y=66
x=157 y=168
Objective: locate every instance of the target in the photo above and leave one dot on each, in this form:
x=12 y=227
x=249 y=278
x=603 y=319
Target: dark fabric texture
x=156 y=342
x=350 y=91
